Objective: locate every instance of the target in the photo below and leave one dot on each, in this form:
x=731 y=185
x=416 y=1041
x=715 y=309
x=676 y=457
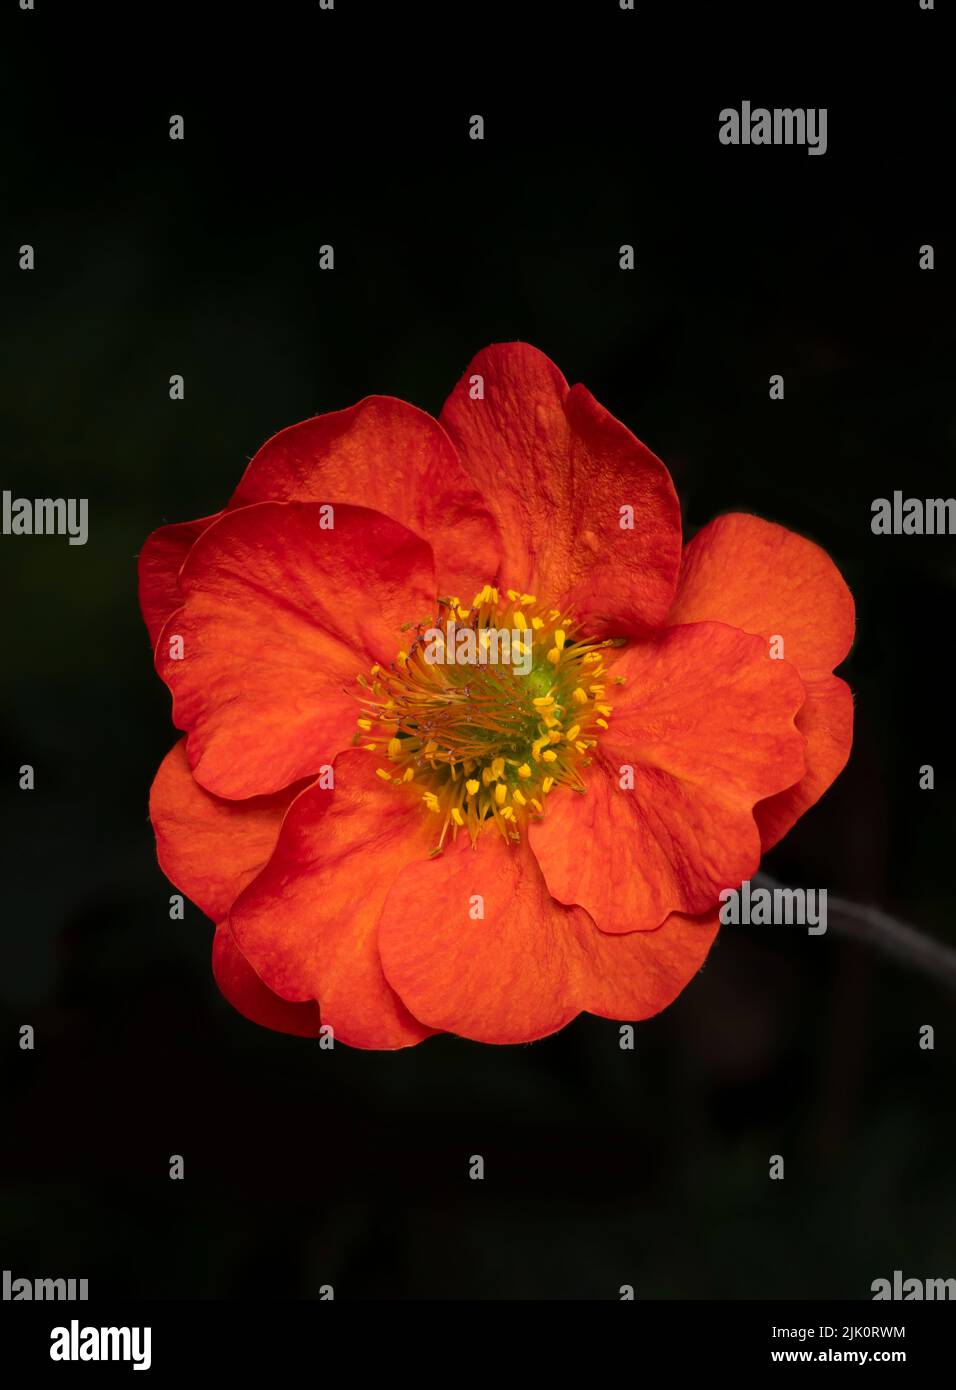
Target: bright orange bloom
x=397 y=843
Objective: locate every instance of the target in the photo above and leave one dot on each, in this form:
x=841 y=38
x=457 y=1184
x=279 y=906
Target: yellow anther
x=476 y=747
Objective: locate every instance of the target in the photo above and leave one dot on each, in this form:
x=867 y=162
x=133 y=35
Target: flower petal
x=765 y=579
x=281 y=616
x=826 y=722
x=705 y=720
x=244 y=990
x=395 y=459
x=309 y=922
x=160 y=561
x=527 y=965
x=556 y=469
x=211 y=848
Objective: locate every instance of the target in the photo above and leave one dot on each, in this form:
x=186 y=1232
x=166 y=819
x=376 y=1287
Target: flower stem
x=877 y=928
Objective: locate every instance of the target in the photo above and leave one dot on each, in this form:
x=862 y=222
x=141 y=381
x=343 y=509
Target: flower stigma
x=488 y=709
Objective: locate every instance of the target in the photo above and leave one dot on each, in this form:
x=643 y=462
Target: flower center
x=488 y=709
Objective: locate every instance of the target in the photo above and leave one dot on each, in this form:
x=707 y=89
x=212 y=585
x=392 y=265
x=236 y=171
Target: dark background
x=306 y=1167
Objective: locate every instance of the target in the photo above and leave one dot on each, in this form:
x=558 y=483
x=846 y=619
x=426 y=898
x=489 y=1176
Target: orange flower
x=397 y=843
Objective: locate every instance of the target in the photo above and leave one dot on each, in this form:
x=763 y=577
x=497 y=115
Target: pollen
x=486 y=709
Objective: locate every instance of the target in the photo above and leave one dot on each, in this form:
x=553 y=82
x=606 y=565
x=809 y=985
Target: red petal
x=826 y=722
x=160 y=561
x=280 y=618
x=210 y=848
x=556 y=469
x=764 y=579
x=706 y=720
x=395 y=459
x=529 y=964
x=309 y=923
x=245 y=991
